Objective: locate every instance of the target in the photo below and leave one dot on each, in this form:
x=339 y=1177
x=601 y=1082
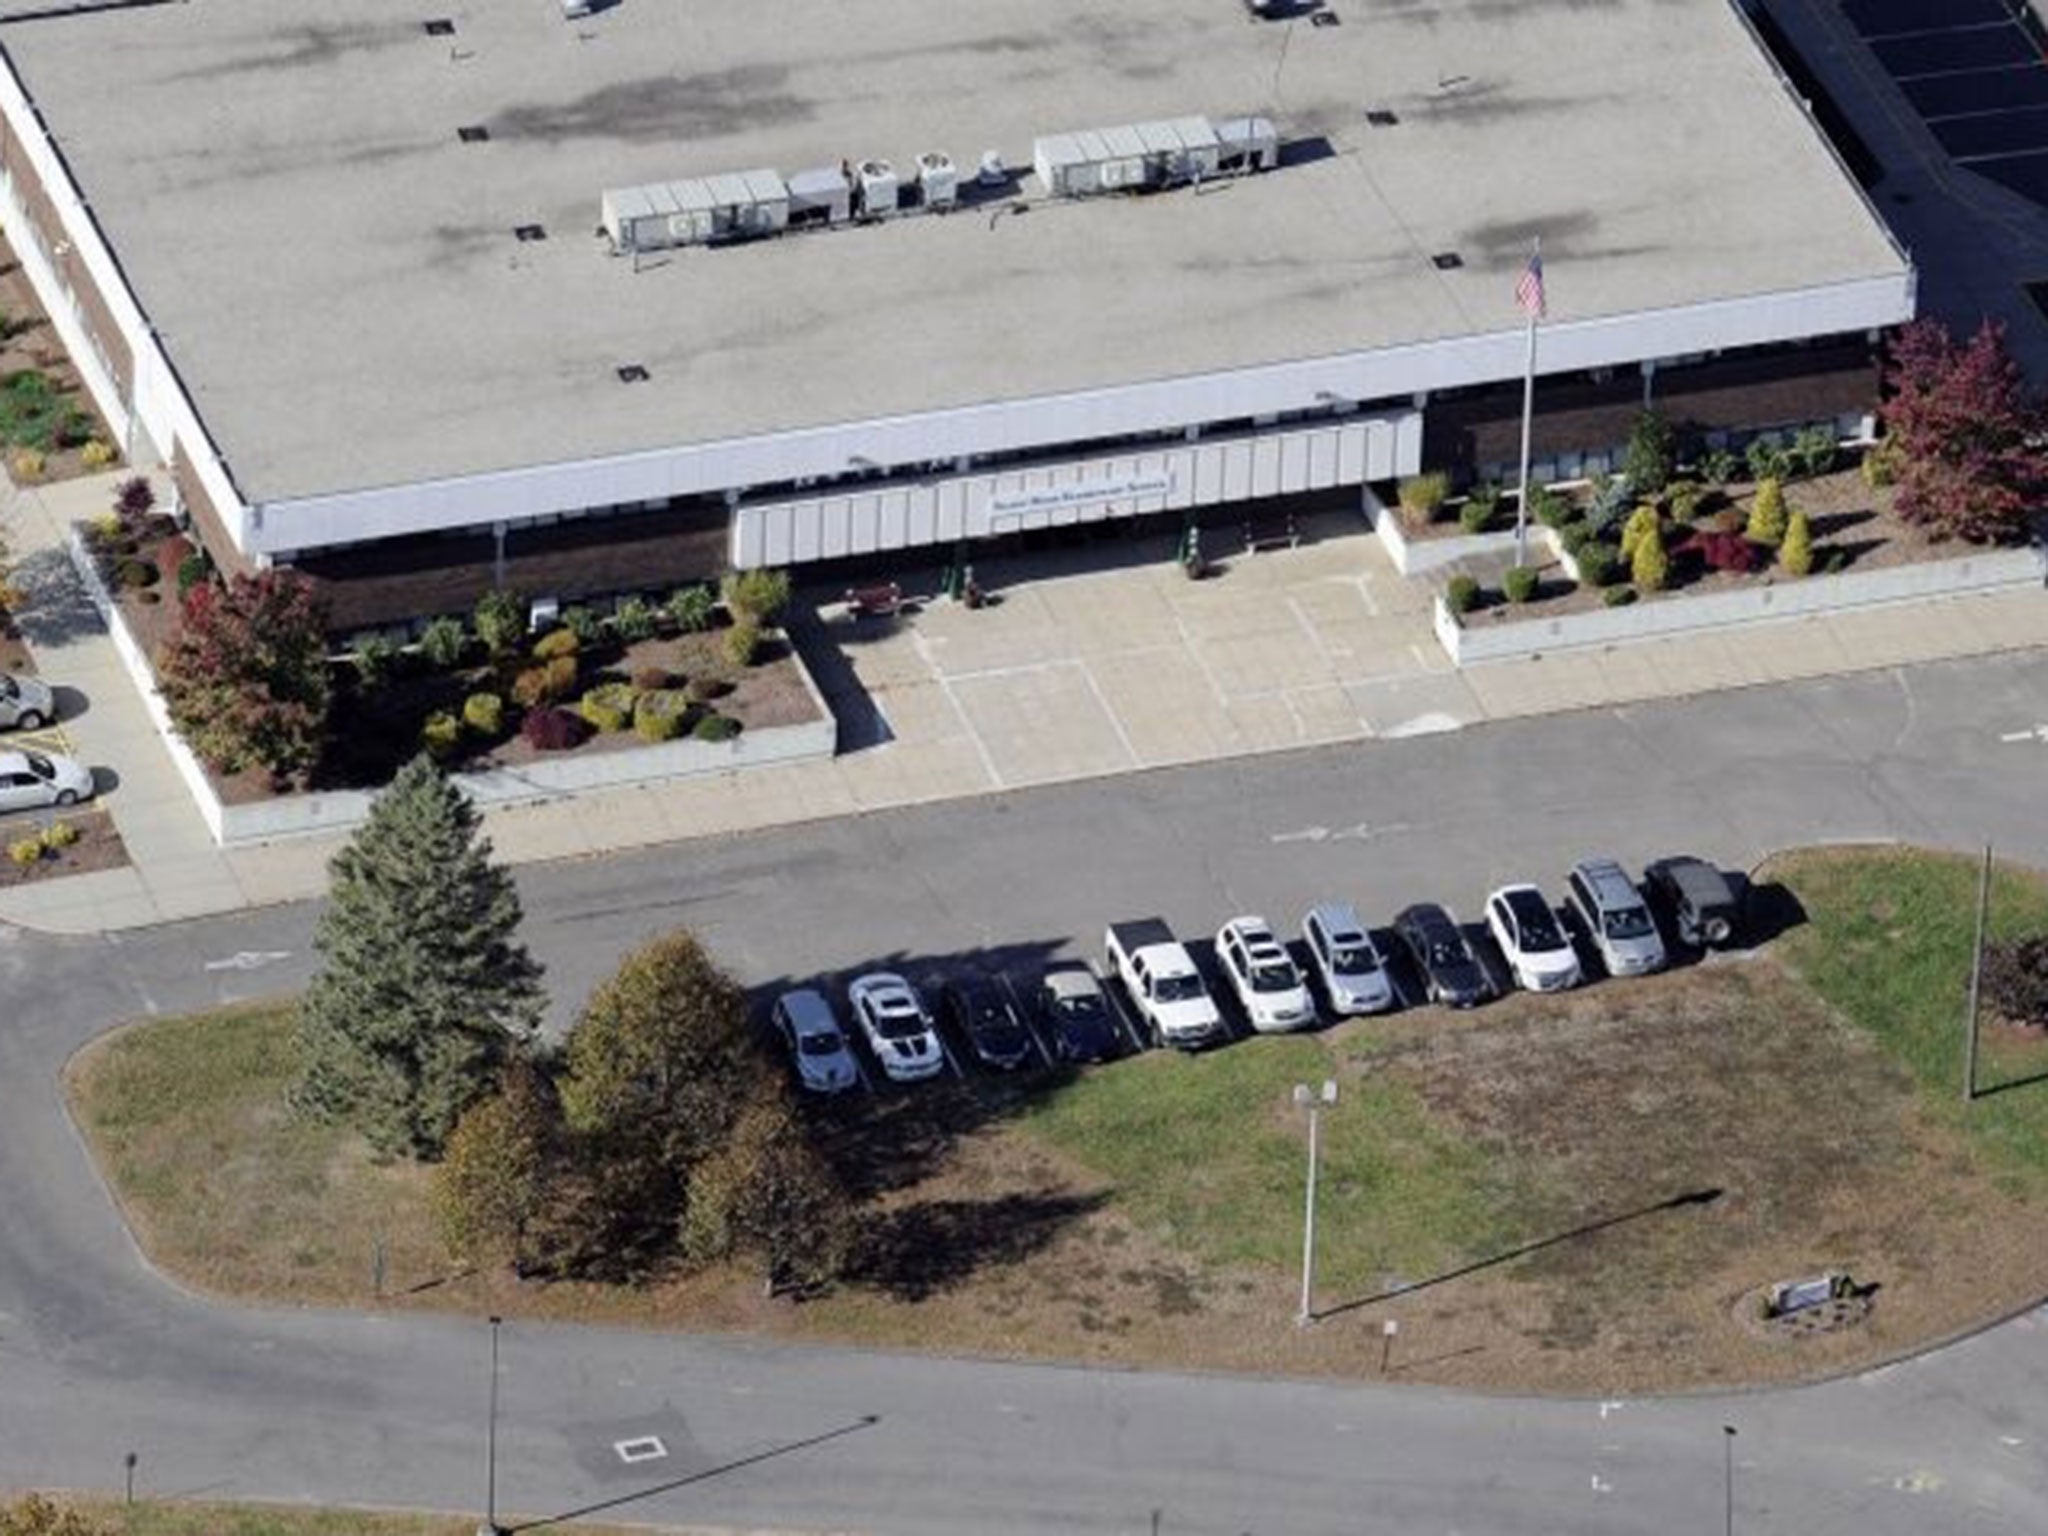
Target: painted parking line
x=1024 y=1016
x=946 y=1051
x=1112 y=992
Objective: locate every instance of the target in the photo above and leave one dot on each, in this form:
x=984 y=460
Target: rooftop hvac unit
x=821 y=196
x=938 y=181
x=1248 y=144
x=992 y=173
x=877 y=187
x=1156 y=154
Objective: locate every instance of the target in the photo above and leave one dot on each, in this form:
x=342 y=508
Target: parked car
x=979 y=1009
x=1345 y=960
x=25 y=702
x=817 y=1047
x=1159 y=977
x=1263 y=976
x=1699 y=900
x=1615 y=916
x=899 y=1031
x=1539 y=952
x=32 y=780
x=1434 y=941
x=1075 y=1015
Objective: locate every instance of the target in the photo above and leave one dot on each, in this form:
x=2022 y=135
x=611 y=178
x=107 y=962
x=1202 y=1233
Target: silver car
x=31 y=780
x=1615 y=916
x=25 y=702
x=1345 y=960
x=817 y=1047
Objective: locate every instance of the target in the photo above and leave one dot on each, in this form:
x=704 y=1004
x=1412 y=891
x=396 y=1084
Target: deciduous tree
x=497 y=1174
x=245 y=678
x=1967 y=430
x=35 y=1515
x=768 y=1193
x=2016 y=979
x=424 y=991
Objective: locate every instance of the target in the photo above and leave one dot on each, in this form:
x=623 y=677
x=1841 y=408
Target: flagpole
x=1528 y=416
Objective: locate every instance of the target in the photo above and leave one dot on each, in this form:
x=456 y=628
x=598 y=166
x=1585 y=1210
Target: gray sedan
x=25 y=702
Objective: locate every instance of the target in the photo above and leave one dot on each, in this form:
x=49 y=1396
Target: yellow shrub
x=25 y=851
x=96 y=454
x=60 y=834
x=27 y=465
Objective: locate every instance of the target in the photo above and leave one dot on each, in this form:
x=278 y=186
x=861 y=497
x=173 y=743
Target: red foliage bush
x=1729 y=552
x=554 y=730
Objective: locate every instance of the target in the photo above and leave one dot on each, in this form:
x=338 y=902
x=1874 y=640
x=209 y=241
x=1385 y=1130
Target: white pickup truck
x=1160 y=978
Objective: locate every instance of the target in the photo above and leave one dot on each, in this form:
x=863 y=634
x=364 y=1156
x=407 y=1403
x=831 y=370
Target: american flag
x=1529 y=286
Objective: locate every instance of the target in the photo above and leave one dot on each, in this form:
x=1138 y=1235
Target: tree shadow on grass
x=923 y=1248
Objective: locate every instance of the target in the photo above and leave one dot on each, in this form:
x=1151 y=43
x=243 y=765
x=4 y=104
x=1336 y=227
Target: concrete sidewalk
x=1075 y=671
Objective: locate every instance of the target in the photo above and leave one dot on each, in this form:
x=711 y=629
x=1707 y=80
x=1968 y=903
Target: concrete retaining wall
x=1987 y=571
x=549 y=778
x=1412 y=556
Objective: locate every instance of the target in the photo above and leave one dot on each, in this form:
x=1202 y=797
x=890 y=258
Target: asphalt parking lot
x=1975 y=74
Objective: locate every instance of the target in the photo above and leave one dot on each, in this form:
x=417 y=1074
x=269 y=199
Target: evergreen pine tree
x=424 y=992
x=1767 y=514
x=1796 y=553
x=1650 y=566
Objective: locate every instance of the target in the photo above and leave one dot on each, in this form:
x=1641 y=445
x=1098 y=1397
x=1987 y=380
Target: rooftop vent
x=1380 y=117
x=527 y=233
x=1447 y=261
x=439 y=26
x=475 y=133
x=632 y=373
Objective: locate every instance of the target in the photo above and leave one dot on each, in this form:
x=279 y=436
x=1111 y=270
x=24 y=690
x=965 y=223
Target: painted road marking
x=249 y=960
x=639 y=1449
x=1360 y=832
x=2036 y=733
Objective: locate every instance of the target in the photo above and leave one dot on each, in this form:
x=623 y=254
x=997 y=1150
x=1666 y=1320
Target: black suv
x=1700 y=901
x=979 y=1009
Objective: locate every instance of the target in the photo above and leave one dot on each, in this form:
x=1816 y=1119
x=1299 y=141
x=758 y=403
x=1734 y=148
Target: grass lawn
x=1579 y=1193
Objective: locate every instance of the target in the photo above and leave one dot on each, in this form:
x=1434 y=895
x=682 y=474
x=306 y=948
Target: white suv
x=1538 y=950
x=1262 y=975
x=1615 y=916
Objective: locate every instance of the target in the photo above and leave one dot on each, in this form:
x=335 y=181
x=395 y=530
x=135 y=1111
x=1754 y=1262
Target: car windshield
x=1445 y=952
x=1274 y=976
x=39 y=765
x=1081 y=1008
x=823 y=1043
x=1540 y=935
x=1353 y=958
x=1626 y=923
x=7 y=687
x=1177 y=989
x=907 y=1024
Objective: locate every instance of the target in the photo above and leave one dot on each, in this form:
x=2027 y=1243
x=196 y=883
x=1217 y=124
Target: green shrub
x=484 y=713
x=1814 y=451
x=501 y=621
x=1649 y=565
x=442 y=734
x=1796 y=553
x=1881 y=465
x=556 y=643
x=1461 y=594
x=1766 y=460
x=704 y=689
x=60 y=834
x=584 y=624
x=742 y=642
x=1767 y=514
x=442 y=642
x=757 y=595
x=633 y=620
x=1480 y=509
x=1651 y=455
x=1598 y=564
x=376 y=658
x=191 y=571
x=1618 y=597
x=1519 y=583
x=1551 y=508
x=1609 y=505
x=25 y=851
x=692 y=608
x=660 y=715
x=609 y=706
x=136 y=574
x=1423 y=496
x=1686 y=499
x=716 y=728
x=1574 y=537
x=1717 y=466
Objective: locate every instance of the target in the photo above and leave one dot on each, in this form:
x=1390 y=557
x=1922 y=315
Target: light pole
x=1312 y=1100
x=490 y=1525
x=1728 y=1478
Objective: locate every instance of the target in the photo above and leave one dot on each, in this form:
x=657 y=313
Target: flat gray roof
x=336 y=278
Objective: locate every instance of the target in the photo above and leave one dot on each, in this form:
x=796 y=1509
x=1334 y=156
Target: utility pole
x=1976 y=980
x=1728 y=1478
x=490 y=1525
x=1312 y=1100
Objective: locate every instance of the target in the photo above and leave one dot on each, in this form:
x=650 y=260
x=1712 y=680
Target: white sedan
x=898 y=1030
x=1527 y=931
x=31 y=780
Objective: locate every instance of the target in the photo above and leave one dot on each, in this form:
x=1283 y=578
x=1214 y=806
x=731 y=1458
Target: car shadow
x=70 y=703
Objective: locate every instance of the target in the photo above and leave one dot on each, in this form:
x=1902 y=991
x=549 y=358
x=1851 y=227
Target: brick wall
x=91 y=304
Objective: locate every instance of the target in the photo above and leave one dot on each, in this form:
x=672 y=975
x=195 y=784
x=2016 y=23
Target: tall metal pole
x=1308 y=1228
x=1528 y=417
x=491 y=1442
x=1976 y=980
x=1728 y=1478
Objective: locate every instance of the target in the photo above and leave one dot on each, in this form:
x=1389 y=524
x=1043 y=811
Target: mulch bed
x=31 y=342
x=99 y=847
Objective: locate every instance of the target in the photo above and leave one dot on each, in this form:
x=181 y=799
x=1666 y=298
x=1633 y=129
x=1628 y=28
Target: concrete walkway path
x=1075 y=671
